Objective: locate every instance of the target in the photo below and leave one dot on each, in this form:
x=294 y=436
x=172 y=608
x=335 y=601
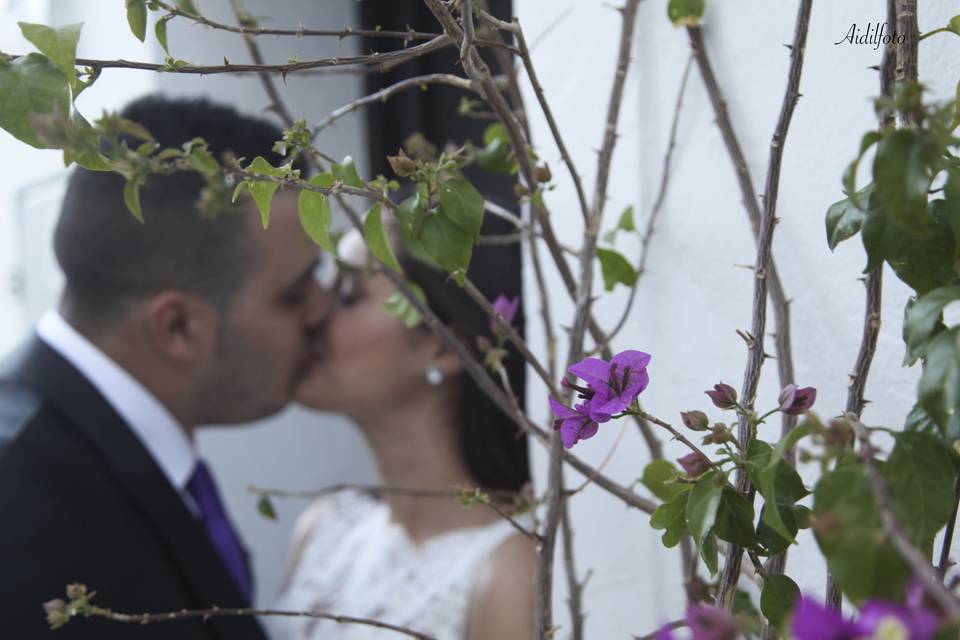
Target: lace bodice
x=356 y=562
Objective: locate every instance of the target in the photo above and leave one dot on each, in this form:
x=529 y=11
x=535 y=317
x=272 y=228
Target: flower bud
x=719 y=433
x=695 y=420
x=694 y=463
x=76 y=590
x=542 y=173
x=57 y=614
x=723 y=396
x=795 y=401
x=520 y=190
x=401 y=164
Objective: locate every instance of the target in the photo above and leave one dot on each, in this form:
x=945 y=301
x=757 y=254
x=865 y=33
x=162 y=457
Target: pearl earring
x=433 y=375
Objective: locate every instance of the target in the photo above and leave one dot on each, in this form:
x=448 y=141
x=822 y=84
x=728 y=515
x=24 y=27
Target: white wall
x=297 y=449
x=694 y=296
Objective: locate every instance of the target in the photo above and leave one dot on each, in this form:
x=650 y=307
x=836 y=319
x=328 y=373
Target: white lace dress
x=356 y=562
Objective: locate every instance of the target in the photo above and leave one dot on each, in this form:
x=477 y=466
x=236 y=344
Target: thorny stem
x=731 y=570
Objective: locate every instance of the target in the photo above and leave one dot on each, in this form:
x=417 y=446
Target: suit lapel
x=42 y=369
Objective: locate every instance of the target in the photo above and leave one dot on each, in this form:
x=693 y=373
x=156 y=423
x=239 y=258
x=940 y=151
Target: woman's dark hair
x=492 y=445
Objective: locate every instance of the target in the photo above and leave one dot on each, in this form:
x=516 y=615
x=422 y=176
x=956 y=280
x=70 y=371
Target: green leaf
x=686 y=13
x=671 y=516
x=463 y=204
x=919 y=420
x=131 y=197
x=920 y=475
x=398 y=306
x=137 y=18
x=29 y=86
x=659 y=476
x=615 y=268
x=703 y=504
x=377 y=240
x=346 y=172
x=924 y=319
x=411 y=214
x=187 y=6
x=315 y=212
x=845 y=218
x=939 y=388
x=770 y=541
x=708 y=552
x=59 y=45
x=265 y=507
x=764 y=471
x=850 y=174
x=495 y=156
x=902 y=177
x=160 y=29
x=777 y=598
x=954 y=25
x=448 y=244
x=850 y=534
x=734 y=521
x=261 y=190
x=626 y=220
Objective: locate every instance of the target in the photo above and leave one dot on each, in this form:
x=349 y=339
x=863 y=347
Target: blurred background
x=692 y=298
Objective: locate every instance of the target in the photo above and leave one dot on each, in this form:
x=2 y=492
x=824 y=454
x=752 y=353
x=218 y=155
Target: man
x=163 y=327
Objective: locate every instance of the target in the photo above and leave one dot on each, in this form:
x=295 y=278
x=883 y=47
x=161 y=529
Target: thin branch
x=374 y=59
x=917 y=561
x=574 y=587
x=502 y=212
x=658 y=204
x=148 y=618
x=388 y=92
x=603 y=463
x=676 y=434
x=670 y=626
x=944 y=563
x=731 y=570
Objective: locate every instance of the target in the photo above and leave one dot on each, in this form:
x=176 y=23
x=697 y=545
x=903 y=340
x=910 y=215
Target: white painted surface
x=693 y=296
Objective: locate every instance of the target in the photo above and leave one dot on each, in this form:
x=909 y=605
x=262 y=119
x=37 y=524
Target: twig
x=658 y=204
x=574 y=587
x=907 y=53
x=918 y=563
x=944 y=563
x=670 y=626
x=874 y=289
x=148 y=618
x=388 y=92
x=376 y=491
x=676 y=434
x=731 y=569
x=400 y=55
x=603 y=463
x=506 y=214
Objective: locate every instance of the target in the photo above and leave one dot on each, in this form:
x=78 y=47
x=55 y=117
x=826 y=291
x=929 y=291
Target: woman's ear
x=180 y=326
x=447 y=360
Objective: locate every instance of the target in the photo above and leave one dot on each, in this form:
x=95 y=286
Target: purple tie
x=218 y=527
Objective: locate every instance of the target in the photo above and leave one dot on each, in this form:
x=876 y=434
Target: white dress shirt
x=162 y=436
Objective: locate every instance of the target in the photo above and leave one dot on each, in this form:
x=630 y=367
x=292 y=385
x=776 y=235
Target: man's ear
x=181 y=326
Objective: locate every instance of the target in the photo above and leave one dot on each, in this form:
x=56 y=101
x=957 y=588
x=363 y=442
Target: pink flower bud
x=696 y=420
x=795 y=401
x=694 y=463
x=723 y=396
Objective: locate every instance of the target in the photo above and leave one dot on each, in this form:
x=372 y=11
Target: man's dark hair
x=110 y=259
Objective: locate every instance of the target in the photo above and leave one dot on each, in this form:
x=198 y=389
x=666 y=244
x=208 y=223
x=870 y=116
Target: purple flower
x=711 y=623
x=878 y=619
x=694 y=463
x=794 y=400
x=574 y=424
x=507 y=308
x=615 y=384
x=696 y=420
x=723 y=396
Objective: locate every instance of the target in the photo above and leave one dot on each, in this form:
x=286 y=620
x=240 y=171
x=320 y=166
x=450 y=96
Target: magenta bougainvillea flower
x=706 y=623
x=611 y=388
x=878 y=619
x=574 y=424
x=694 y=463
x=506 y=307
x=723 y=396
x=615 y=384
x=795 y=400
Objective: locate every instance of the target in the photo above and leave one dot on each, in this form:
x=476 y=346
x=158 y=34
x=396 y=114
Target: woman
x=425 y=563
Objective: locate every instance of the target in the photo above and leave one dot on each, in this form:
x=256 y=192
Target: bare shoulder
x=501 y=606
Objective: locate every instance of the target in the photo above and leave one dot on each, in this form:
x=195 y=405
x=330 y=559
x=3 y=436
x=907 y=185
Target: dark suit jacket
x=81 y=500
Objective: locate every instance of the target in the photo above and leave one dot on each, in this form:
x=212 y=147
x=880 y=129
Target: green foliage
x=346 y=172
x=131 y=197
x=850 y=535
x=377 y=240
x=265 y=507
x=398 y=306
x=315 y=213
x=924 y=320
x=463 y=204
x=686 y=13
x=939 y=387
x=615 y=268
x=187 y=6
x=31 y=86
x=919 y=475
x=59 y=45
x=447 y=243
x=262 y=190
x=734 y=522
x=137 y=18
x=845 y=217
x=660 y=478
x=496 y=155
x=701 y=512
x=671 y=517
x=777 y=598
x=775 y=478
x=160 y=30
x=624 y=224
